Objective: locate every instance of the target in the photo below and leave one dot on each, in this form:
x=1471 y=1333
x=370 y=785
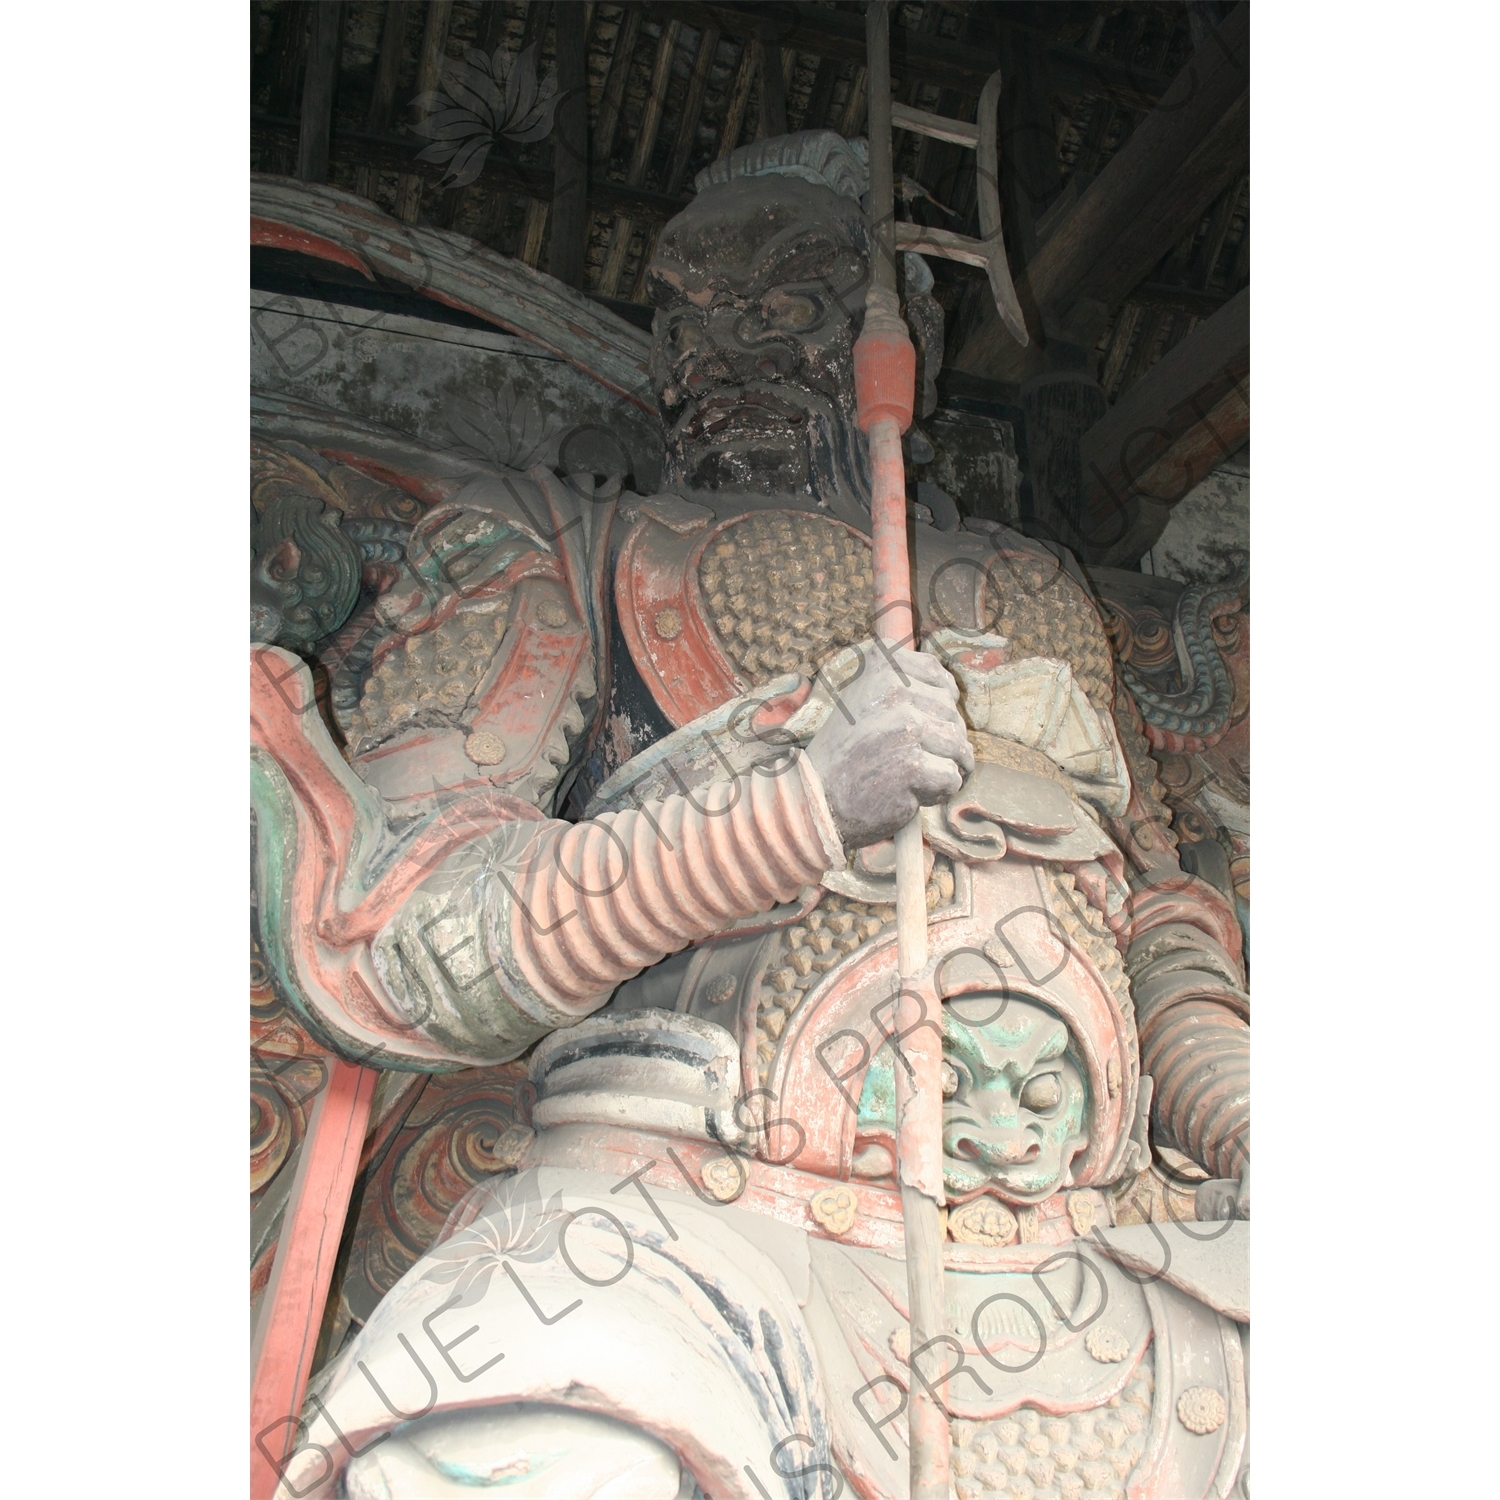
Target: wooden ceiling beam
x=739 y=98
x=1200 y=273
x=1152 y=191
x=570 y=165
x=1159 y=315
x=383 y=94
x=841 y=34
x=492 y=19
x=772 y=118
x=820 y=100
x=387 y=70
x=607 y=121
x=285 y=56
x=640 y=156
x=1165 y=434
x=656 y=100
x=538 y=13
x=429 y=76
x=1195 y=302
x=534 y=222
x=852 y=121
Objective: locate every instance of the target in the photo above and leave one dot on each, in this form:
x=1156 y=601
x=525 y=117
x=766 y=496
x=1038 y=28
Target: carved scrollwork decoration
x=464 y=1128
x=304 y=572
x=1196 y=712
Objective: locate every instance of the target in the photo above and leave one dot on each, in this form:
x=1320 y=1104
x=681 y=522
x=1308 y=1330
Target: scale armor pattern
x=427 y=678
x=1085 y=925
x=1041 y=611
x=786 y=591
x=822 y=939
x=1145 y=774
x=1038 y=1456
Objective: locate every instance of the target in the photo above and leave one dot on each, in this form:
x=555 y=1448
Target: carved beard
x=774 y=439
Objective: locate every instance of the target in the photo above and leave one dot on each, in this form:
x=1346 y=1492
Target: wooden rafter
x=429 y=76
x=853 y=119
x=378 y=117
x=539 y=12
x=1166 y=433
x=613 y=97
x=640 y=156
x=772 y=118
x=820 y=100
x=841 y=34
x=318 y=88
x=287 y=53
x=570 y=158
x=692 y=108
x=739 y=97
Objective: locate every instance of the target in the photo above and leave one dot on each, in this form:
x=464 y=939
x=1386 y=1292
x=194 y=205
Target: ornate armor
x=553 y=794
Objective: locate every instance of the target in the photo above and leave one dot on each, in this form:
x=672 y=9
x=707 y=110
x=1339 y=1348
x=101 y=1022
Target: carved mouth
x=741 y=413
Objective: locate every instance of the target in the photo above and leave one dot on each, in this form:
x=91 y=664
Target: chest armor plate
x=710 y=609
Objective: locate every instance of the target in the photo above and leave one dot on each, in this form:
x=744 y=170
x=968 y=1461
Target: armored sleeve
x=459 y=939
x=1184 y=955
x=533 y=929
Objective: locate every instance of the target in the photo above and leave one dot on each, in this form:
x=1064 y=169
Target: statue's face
x=1014 y=1102
x=759 y=289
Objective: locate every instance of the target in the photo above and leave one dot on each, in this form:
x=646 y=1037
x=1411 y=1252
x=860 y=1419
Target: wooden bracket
x=292 y=1312
x=989 y=251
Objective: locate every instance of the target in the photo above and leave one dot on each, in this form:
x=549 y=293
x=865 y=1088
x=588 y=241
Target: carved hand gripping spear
x=885 y=369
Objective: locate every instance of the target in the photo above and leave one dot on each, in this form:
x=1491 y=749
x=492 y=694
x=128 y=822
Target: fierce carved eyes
x=1042 y=1094
x=790 y=311
x=684 y=335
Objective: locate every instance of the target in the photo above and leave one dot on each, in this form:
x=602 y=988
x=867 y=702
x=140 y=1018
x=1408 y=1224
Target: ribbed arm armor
x=533 y=927
x=1199 y=1057
x=597 y=902
x=1193 y=1019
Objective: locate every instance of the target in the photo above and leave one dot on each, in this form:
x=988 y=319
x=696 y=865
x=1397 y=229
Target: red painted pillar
x=292 y=1312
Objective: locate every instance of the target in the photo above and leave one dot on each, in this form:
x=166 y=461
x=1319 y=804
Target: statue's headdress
x=822 y=157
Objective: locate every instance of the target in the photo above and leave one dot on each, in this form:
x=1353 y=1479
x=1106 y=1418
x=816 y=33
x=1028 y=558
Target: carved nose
x=712 y=363
x=994 y=1148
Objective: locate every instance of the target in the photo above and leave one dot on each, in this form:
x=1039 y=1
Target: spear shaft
x=885 y=382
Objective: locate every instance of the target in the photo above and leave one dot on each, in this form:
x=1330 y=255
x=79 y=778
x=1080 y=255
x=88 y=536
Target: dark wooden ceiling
x=671 y=86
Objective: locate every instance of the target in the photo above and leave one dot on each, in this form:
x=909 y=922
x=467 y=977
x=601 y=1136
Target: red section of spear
x=885 y=375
